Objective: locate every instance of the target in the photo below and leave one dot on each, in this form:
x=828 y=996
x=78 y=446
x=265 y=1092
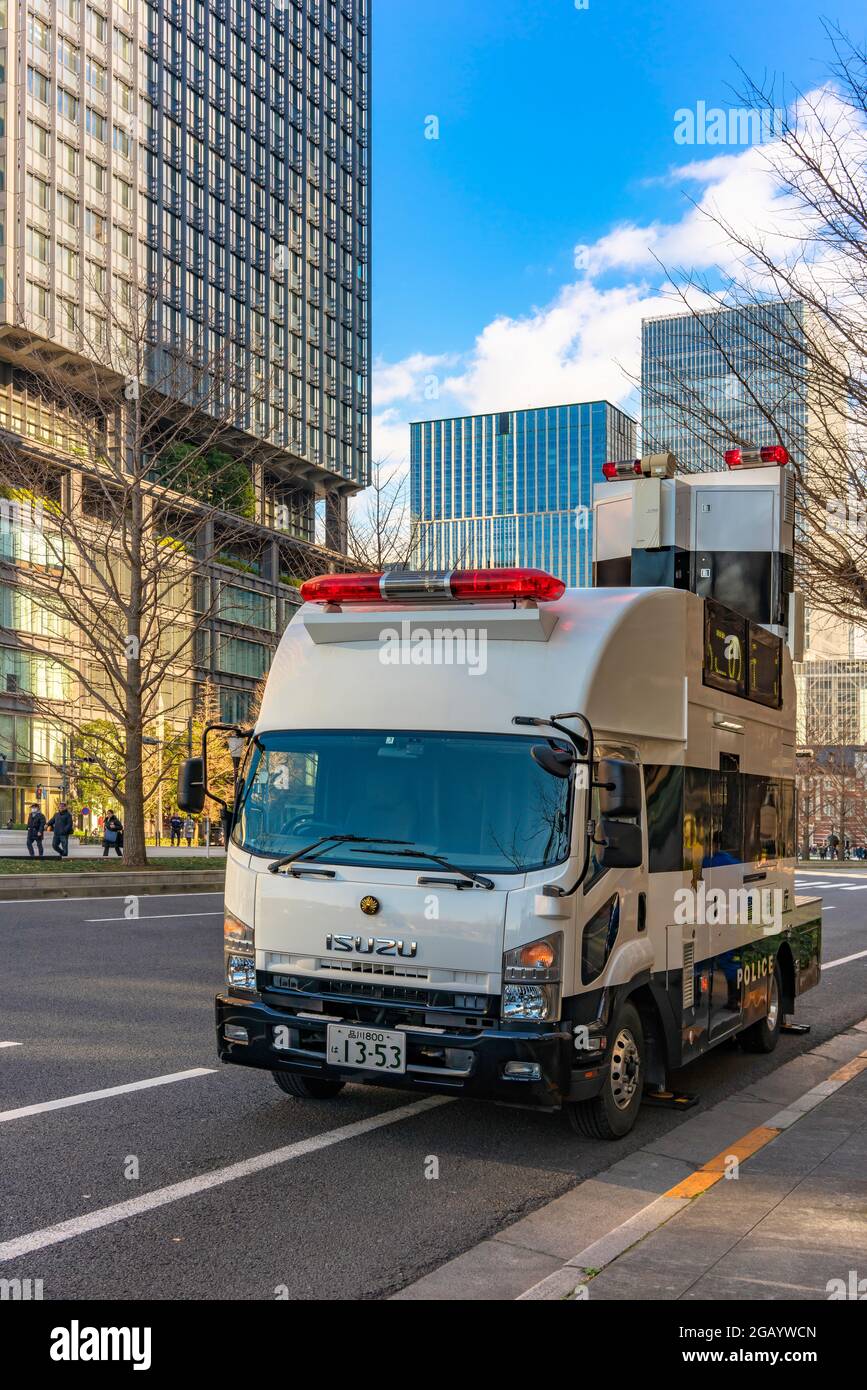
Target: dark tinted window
x=725 y=644
x=664 y=786
x=697 y=820
x=766 y=659
x=600 y=933
x=727 y=818
x=788 y=817
x=762 y=818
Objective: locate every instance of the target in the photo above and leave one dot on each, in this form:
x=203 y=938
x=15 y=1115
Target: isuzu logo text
x=371 y=945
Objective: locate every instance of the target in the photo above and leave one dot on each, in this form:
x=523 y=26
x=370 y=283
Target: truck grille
x=358 y=967
x=376 y=991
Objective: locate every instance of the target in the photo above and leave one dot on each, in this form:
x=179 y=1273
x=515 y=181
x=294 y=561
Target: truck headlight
x=240 y=953
x=537 y=962
x=531 y=980
x=530 y=1003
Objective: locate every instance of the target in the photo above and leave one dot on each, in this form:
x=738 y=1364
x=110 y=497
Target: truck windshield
x=477 y=799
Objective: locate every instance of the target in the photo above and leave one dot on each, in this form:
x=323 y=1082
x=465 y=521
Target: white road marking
x=86 y=1096
x=11 y=1044
x=105 y=898
x=154 y=917
x=853 y=888
x=843 y=960
x=162 y=1196
x=817 y=874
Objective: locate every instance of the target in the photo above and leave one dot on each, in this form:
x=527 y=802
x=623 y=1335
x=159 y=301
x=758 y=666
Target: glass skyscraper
x=513 y=487
x=212 y=156
x=708 y=382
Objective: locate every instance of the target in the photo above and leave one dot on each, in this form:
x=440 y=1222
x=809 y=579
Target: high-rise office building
x=513 y=487
x=213 y=156
x=708 y=379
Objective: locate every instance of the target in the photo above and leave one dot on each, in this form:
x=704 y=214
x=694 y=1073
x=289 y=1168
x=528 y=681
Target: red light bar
x=506 y=583
x=400 y=586
x=757 y=458
x=625 y=468
x=342 y=588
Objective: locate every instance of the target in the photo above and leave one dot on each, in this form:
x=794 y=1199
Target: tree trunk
x=134 y=852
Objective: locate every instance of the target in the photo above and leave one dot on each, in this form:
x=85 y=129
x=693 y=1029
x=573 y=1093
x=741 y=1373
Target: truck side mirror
x=191 y=785
x=619 y=785
x=622 y=848
x=558 y=762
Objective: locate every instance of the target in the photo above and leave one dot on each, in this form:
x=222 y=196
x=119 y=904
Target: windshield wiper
x=307 y=851
x=435 y=859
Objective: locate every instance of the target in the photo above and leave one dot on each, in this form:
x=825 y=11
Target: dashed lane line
x=843 y=960
x=205 y=1182
x=105 y=897
x=153 y=917
x=86 y=1097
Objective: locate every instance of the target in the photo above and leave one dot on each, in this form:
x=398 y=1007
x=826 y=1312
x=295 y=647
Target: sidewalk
x=9 y=850
x=666 y=1223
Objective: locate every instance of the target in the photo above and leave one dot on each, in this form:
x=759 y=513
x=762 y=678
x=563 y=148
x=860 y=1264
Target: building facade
x=708 y=379
x=210 y=160
x=513 y=487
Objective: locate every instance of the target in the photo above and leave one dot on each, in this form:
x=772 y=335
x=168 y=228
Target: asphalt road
x=93 y=1002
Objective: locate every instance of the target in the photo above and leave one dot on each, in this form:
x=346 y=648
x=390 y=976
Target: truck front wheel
x=307 y=1087
x=612 y=1113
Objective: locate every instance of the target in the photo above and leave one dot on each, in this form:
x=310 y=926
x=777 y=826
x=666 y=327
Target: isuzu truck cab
x=479 y=825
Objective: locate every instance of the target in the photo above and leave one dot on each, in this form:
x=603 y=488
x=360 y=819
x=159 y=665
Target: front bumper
x=480 y=1074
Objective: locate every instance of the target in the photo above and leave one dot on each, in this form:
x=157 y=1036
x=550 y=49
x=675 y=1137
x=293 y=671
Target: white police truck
x=498 y=839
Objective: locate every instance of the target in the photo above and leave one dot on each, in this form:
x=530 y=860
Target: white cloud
x=584 y=344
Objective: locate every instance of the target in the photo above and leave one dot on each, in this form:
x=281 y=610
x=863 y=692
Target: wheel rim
x=774 y=1006
x=625 y=1073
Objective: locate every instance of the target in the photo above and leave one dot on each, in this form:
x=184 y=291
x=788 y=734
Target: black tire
x=764 y=1035
x=307 y=1087
x=612 y=1113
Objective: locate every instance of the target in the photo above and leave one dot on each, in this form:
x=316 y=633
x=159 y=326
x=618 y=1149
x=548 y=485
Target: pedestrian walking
x=35 y=831
x=176 y=825
x=189 y=830
x=112 y=835
x=61 y=825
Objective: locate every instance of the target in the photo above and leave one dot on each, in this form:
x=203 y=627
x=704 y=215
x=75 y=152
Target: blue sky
x=556 y=128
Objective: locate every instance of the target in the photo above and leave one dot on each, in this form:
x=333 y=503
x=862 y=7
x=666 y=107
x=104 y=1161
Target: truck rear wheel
x=764 y=1035
x=307 y=1087
x=612 y=1113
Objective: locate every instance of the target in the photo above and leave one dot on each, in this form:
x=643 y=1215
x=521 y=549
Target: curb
x=614 y=1210
x=113 y=884
x=563 y=1283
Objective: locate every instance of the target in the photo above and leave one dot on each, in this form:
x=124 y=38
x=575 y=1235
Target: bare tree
x=800 y=371
x=111 y=536
x=381 y=532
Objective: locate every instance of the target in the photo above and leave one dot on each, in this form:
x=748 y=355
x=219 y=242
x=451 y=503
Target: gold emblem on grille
x=369 y=905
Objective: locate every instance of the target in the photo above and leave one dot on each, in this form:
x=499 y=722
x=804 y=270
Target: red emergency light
x=625 y=468
x=757 y=458
x=403 y=586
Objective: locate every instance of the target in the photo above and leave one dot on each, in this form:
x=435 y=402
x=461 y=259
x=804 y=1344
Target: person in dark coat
x=35 y=831
x=61 y=824
x=176 y=825
x=112 y=835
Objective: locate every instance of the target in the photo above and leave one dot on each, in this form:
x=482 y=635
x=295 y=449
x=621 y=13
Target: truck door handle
x=642 y=911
